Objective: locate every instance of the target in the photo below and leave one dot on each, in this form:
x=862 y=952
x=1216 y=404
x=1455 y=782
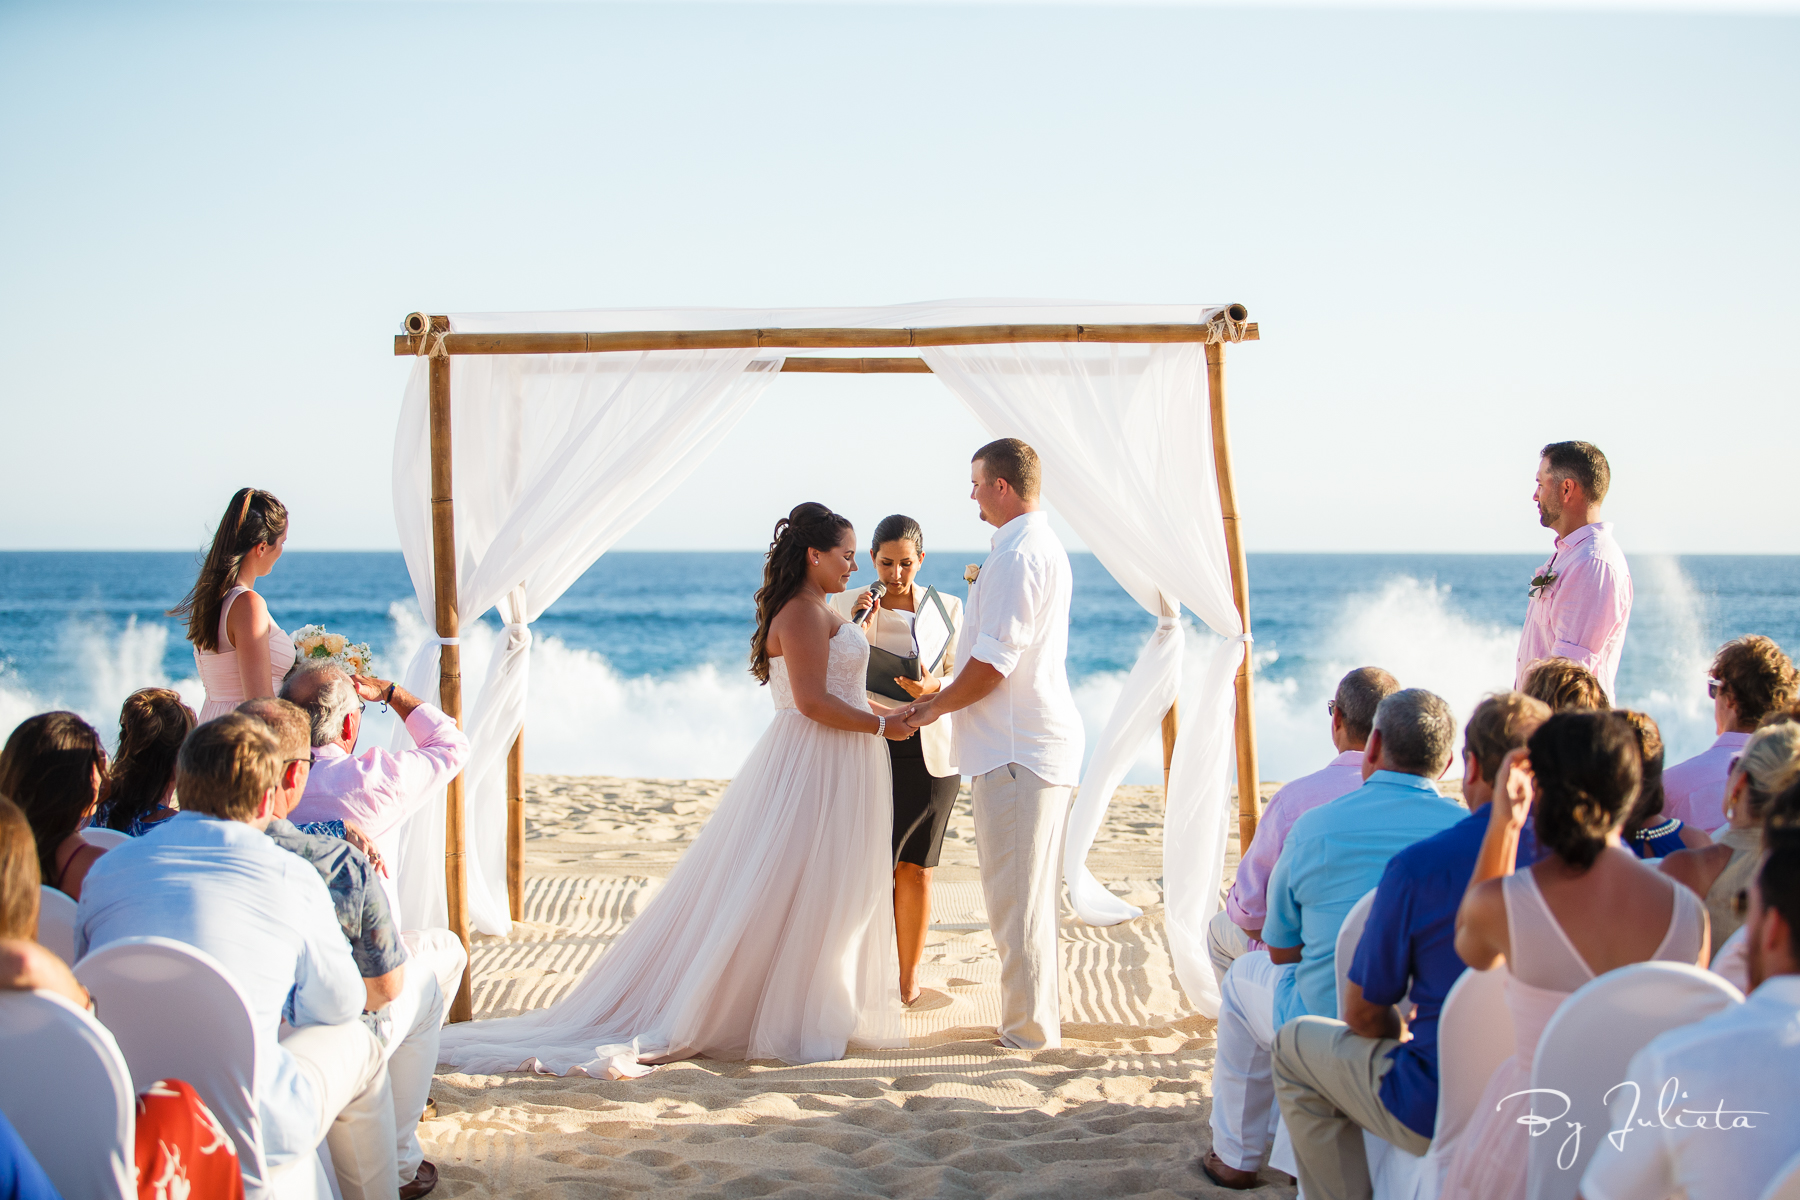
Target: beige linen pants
x=1019 y=823
x=348 y=1070
x=1328 y=1081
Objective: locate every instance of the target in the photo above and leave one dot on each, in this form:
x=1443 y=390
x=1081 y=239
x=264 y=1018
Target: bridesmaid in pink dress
x=240 y=652
x=1588 y=907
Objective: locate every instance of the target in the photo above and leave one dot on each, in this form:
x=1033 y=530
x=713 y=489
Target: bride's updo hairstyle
x=809 y=527
x=253 y=517
x=1588 y=769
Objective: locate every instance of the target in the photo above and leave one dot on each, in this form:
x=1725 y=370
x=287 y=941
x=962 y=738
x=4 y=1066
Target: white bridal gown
x=774 y=935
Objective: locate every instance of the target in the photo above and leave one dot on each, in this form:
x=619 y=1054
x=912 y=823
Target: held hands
x=356 y=837
x=919 y=714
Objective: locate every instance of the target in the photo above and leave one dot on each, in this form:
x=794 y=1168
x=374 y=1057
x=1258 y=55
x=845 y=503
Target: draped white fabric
x=554 y=458
x=1124 y=432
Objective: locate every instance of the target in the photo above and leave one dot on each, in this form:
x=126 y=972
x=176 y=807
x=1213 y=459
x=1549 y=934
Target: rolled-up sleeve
x=1282 y=925
x=1008 y=617
x=1597 y=602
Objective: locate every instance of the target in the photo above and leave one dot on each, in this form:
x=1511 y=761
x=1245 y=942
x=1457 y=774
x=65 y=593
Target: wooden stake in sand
x=431 y=335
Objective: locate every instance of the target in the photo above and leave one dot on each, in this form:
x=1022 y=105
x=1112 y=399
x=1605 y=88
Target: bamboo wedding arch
x=431 y=336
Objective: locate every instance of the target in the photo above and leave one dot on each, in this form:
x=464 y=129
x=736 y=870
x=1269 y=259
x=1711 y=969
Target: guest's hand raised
x=369 y=687
x=1515 y=787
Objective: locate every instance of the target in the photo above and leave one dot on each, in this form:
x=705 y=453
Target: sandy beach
x=1120 y=1110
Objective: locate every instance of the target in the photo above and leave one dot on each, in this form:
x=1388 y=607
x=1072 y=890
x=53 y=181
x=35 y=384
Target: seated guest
x=1768 y=763
x=377 y=789
x=1750 y=679
x=1587 y=907
x=1237 y=928
x=1565 y=685
x=211 y=878
x=54 y=769
x=25 y=966
x=1334 y=855
x=409 y=1003
x=1373 y=1070
x=141 y=790
x=1745 y=1058
x=1647 y=831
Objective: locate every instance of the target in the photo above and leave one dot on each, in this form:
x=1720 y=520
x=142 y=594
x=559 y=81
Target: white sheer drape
x=554 y=458
x=1125 y=435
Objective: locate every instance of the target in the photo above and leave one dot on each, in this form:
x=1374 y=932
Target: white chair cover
x=56 y=923
x=106 y=839
x=1586 y=1048
x=66 y=1090
x=1731 y=962
x=137 y=983
x=1349 y=934
x=1786 y=1184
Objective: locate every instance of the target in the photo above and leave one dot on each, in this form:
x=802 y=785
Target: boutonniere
x=1540 y=582
x=970 y=573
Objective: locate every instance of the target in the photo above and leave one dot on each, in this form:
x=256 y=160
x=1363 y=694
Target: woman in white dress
x=772 y=938
x=239 y=651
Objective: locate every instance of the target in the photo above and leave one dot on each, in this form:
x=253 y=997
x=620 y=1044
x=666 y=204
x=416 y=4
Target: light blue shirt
x=264 y=913
x=1333 y=856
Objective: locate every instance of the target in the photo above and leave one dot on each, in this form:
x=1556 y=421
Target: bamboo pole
x=1240 y=594
x=825 y=338
x=443 y=563
x=891 y=365
x=1171 y=724
x=515 y=827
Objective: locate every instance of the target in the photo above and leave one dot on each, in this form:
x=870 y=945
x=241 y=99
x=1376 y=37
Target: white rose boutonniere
x=970 y=572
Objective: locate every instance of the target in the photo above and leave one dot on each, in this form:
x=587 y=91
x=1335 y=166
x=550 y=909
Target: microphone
x=877 y=590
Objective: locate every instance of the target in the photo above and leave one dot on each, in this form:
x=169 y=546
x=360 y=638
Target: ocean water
x=640 y=668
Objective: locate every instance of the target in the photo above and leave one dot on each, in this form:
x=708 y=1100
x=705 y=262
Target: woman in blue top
x=152 y=725
x=1647 y=831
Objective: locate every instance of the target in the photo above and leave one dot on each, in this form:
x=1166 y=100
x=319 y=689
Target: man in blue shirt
x=1335 y=1079
x=1334 y=855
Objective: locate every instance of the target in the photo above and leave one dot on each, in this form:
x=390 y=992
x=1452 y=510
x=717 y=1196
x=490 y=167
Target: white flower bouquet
x=315 y=647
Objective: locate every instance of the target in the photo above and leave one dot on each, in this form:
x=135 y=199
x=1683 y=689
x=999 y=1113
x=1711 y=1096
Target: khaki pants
x=1328 y=1082
x=1225 y=943
x=348 y=1070
x=1019 y=823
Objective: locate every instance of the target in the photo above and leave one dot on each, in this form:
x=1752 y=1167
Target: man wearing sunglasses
x=1734 y=1120
x=1750 y=678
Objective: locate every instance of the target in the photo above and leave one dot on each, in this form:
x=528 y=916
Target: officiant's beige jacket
x=893 y=633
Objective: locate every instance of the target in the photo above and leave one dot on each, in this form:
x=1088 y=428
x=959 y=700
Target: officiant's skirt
x=922 y=804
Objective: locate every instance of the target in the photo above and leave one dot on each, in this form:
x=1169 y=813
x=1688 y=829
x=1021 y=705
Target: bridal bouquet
x=315 y=647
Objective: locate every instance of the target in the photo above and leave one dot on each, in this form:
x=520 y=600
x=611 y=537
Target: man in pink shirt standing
x=1581 y=598
x=1750 y=678
x=1236 y=928
x=378 y=789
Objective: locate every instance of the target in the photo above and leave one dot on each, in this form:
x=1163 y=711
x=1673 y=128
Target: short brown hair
x=1759 y=676
x=1582 y=462
x=1565 y=685
x=1499 y=725
x=1358 y=695
x=1650 y=754
x=19 y=876
x=289 y=723
x=1014 y=461
x=227 y=766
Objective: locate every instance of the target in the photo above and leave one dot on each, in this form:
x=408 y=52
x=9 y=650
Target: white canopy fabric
x=556 y=456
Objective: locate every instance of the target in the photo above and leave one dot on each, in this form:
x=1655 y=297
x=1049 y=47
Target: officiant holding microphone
x=911 y=632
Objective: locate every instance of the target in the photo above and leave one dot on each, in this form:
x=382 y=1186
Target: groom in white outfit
x=1019 y=736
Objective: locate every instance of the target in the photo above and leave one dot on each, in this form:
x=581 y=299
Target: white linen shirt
x=1745 y=1058
x=1017 y=621
x=224 y=887
x=1581 y=616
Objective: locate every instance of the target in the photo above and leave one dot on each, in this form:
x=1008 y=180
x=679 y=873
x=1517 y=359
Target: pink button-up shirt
x=1583 y=614
x=1248 y=903
x=379 y=789
x=1694 y=790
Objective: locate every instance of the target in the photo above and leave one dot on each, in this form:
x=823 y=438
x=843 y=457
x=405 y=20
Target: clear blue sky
x=1465 y=233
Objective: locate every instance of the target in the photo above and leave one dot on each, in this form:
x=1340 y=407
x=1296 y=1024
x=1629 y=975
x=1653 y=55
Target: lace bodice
x=846 y=670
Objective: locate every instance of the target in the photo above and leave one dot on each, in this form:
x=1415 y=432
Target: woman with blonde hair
x=152 y=725
x=1762 y=770
x=240 y=652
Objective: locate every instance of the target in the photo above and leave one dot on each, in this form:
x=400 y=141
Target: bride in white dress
x=774 y=935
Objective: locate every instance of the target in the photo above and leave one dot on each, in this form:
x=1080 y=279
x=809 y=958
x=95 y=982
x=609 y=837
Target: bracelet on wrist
x=880 y=726
x=388 y=698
